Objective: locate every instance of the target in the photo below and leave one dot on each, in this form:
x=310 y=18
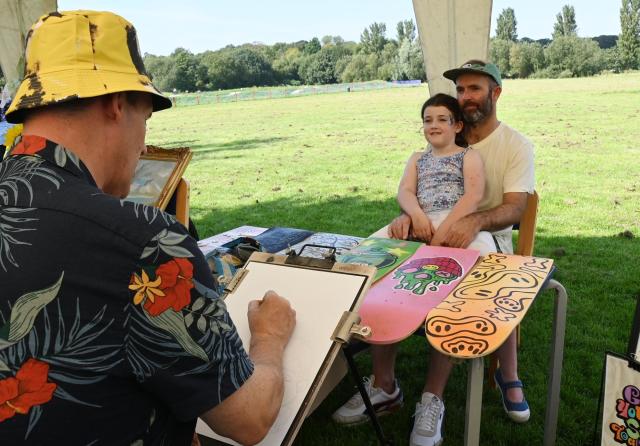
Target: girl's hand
x=422 y=228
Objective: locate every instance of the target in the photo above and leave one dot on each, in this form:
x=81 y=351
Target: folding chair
x=182 y=202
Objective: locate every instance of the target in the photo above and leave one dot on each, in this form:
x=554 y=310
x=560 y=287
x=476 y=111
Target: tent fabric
x=16 y=19
x=451 y=33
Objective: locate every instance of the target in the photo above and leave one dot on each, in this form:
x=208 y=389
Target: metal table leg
x=555 y=367
x=474 y=402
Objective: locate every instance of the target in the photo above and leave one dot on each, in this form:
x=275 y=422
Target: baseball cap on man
x=477 y=67
x=81 y=54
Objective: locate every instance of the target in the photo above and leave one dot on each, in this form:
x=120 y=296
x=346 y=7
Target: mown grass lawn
x=332 y=163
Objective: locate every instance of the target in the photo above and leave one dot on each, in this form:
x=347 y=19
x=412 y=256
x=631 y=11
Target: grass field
x=332 y=163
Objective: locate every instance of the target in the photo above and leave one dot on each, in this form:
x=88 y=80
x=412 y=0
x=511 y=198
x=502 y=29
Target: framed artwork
x=157 y=175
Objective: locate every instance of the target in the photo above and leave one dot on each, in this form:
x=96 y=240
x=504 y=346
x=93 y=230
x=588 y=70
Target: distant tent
x=451 y=32
x=16 y=19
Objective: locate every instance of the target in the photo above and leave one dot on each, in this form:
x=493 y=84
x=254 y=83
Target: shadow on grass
x=179 y=143
x=599 y=273
x=346 y=215
x=238 y=144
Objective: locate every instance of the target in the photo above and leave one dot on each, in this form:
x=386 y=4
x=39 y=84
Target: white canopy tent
x=16 y=19
x=451 y=32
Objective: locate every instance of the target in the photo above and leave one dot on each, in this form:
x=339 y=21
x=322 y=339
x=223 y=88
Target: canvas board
x=621 y=401
x=319 y=297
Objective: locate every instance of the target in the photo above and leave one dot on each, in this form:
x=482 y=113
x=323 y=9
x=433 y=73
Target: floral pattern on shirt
x=105 y=305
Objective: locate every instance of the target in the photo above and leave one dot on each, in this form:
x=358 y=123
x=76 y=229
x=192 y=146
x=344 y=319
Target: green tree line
x=331 y=59
x=566 y=54
x=318 y=61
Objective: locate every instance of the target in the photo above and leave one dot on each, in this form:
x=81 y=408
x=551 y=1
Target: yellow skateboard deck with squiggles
x=482 y=311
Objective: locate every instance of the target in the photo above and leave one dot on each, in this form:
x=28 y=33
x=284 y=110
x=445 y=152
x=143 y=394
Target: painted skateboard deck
x=398 y=304
x=386 y=254
x=483 y=310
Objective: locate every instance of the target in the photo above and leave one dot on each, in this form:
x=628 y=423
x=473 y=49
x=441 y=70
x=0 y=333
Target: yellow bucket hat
x=81 y=54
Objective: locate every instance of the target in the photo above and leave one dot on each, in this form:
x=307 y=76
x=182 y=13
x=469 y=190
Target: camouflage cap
x=81 y=54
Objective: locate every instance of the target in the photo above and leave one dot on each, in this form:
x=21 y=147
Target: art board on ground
x=621 y=401
x=320 y=297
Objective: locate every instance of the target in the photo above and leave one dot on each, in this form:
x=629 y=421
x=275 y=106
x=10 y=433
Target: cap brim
x=456 y=72
x=68 y=85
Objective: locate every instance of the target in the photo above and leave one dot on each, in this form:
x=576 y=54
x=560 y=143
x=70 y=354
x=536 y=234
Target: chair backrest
x=182 y=202
x=527 y=226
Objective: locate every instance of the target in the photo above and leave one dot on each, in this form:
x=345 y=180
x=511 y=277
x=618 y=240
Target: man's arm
x=462 y=232
x=247 y=415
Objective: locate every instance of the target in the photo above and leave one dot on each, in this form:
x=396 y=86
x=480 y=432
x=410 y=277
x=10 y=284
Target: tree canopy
x=506 y=27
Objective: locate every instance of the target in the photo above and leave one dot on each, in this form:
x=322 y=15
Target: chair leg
x=493 y=366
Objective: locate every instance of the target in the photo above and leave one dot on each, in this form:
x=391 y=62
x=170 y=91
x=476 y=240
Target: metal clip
x=348 y=327
x=237 y=278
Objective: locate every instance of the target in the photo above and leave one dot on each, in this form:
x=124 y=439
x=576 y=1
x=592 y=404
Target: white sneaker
x=354 y=411
x=427 y=427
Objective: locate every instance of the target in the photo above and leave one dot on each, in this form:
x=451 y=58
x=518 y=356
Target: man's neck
x=479 y=131
x=81 y=139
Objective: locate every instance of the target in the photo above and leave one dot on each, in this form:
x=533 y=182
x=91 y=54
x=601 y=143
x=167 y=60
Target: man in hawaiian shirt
x=109 y=330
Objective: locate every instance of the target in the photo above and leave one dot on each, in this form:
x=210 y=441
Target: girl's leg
x=508 y=357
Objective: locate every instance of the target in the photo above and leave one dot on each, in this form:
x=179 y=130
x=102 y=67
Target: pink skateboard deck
x=490 y=302
x=398 y=304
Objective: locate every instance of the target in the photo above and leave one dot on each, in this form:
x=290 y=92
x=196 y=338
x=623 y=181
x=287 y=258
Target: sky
x=200 y=25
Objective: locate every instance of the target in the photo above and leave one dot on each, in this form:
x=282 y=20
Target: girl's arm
x=473 y=173
x=408 y=200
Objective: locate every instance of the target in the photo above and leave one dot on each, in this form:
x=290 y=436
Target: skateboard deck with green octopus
x=398 y=304
x=483 y=310
x=385 y=254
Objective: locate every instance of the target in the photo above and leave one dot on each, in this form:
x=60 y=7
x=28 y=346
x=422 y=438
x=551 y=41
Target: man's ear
x=496 y=92
x=113 y=105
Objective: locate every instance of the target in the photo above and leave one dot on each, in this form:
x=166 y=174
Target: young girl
x=446 y=181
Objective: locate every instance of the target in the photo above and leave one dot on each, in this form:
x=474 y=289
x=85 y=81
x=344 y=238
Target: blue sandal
x=518 y=412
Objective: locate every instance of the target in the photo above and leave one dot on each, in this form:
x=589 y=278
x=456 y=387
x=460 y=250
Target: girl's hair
x=451 y=104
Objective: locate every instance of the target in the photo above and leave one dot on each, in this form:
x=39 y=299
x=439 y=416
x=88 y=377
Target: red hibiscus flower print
x=176 y=284
x=29 y=388
x=29 y=145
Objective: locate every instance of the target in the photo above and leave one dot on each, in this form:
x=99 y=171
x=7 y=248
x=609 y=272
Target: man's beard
x=482 y=111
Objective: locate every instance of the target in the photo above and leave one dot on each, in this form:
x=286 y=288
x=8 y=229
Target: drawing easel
x=326 y=296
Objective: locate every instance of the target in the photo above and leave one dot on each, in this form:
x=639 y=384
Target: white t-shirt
x=508 y=165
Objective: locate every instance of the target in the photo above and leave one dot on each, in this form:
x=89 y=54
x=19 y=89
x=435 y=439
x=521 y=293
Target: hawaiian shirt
x=110 y=332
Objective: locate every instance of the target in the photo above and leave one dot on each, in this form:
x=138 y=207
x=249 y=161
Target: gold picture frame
x=157 y=175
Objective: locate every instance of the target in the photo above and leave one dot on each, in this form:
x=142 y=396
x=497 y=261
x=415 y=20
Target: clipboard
x=326 y=296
